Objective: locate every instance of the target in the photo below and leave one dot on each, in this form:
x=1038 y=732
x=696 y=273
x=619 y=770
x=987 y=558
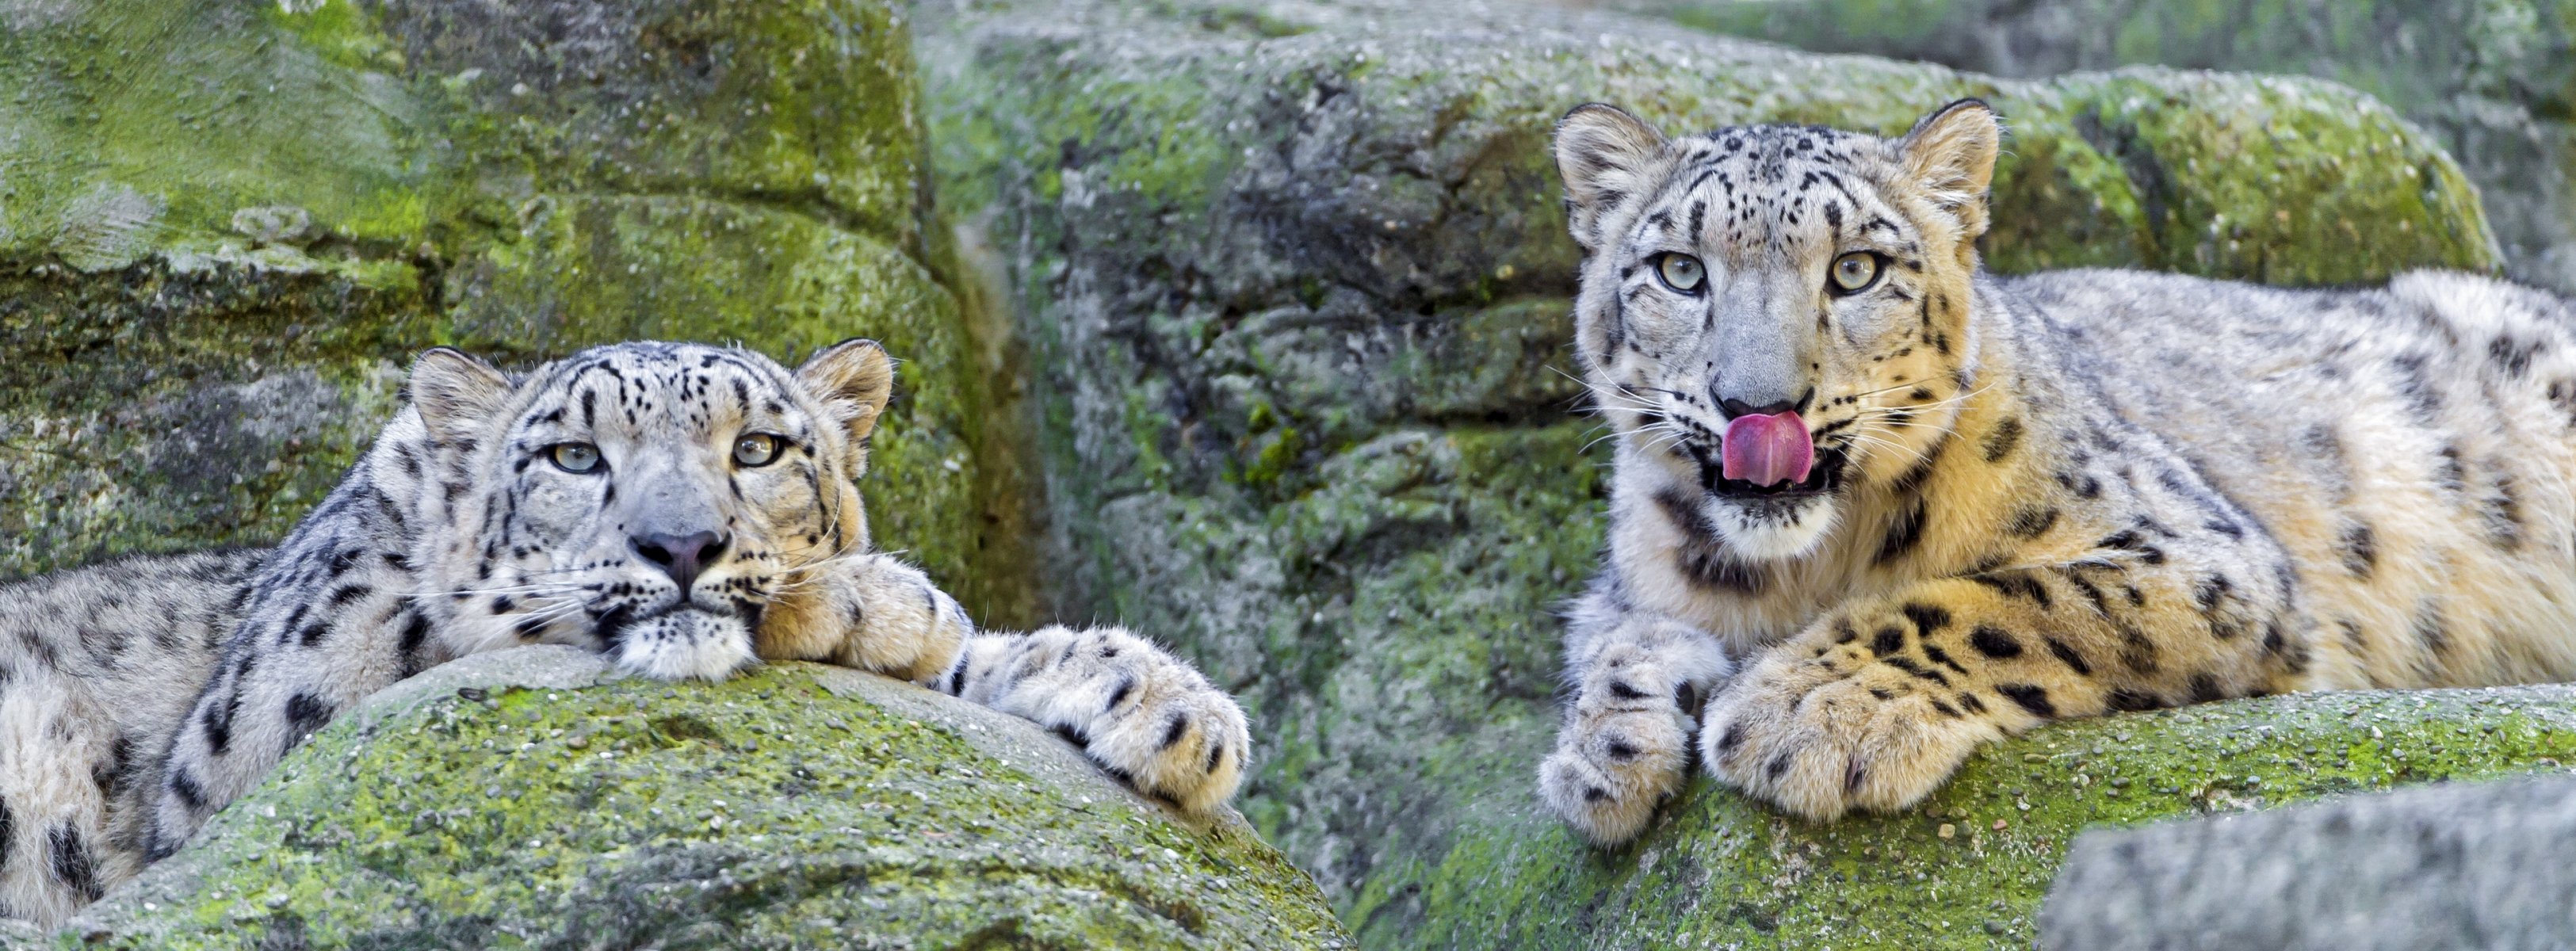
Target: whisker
x=537 y=590
x=1864 y=438
x=1666 y=439
x=1944 y=401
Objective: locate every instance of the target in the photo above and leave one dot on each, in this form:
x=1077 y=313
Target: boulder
x=1969 y=867
x=2495 y=82
x=225 y=228
x=1293 y=281
x=529 y=798
x=2480 y=865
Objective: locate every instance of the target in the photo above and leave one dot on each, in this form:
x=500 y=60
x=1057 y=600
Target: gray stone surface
x=2494 y=79
x=529 y=798
x=2450 y=866
x=1293 y=283
x=227 y=226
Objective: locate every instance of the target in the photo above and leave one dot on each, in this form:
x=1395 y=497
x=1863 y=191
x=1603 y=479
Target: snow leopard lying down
x=1873 y=507
x=686 y=510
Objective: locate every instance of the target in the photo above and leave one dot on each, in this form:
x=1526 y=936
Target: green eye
x=754 y=450
x=1681 y=272
x=574 y=457
x=1854 y=272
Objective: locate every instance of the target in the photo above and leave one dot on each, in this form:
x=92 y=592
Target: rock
x=1973 y=862
x=2420 y=868
x=1294 y=282
x=527 y=797
x=2495 y=82
x=226 y=227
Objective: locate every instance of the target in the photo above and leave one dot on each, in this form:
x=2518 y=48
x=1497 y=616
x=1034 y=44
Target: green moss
x=799 y=806
x=1278 y=451
x=163 y=407
x=2495 y=82
x=1351 y=229
x=225 y=227
x=1969 y=867
x=2285 y=181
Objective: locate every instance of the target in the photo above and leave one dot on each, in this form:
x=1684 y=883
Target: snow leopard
x=1873 y=506
x=685 y=510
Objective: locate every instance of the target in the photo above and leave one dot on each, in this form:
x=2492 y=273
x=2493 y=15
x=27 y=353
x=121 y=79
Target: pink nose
x=1767 y=449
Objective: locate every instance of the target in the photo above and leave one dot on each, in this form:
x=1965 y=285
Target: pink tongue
x=1768 y=449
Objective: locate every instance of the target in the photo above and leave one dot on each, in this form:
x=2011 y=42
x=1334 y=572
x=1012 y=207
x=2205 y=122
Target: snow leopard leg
x=1142 y=714
x=1637 y=679
x=875 y=613
x=53 y=810
x=1874 y=705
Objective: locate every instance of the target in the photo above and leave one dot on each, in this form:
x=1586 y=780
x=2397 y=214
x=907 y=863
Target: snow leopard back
x=96 y=666
x=2412 y=446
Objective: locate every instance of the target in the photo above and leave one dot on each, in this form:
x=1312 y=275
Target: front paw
x=1625 y=747
x=901 y=624
x=1820 y=740
x=1145 y=716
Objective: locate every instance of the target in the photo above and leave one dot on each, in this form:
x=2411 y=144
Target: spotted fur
x=2035 y=498
x=140 y=696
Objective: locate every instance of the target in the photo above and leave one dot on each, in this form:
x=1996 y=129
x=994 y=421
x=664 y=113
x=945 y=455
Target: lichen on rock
x=2494 y=82
x=1969 y=867
x=1295 y=286
x=530 y=798
x=226 y=227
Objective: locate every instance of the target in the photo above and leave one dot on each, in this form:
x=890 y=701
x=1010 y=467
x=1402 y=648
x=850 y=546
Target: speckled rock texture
x=2494 y=80
x=2473 y=866
x=1293 y=283
x=226 y=227
x=1968 y=868
x=528 y=799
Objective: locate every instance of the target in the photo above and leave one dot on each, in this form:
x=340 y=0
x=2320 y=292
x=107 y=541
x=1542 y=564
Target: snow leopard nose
x=1734 y=407
x=680 y=556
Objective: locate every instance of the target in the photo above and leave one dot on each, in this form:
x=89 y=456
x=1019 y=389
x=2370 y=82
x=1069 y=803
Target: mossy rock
x=529 y=799
x=225 y=228
x=2494 y=80
x=1295 y=285
x=1969 y=867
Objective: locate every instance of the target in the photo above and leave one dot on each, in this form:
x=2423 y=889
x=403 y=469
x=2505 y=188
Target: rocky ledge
x=528 y=798
x=1295 y=283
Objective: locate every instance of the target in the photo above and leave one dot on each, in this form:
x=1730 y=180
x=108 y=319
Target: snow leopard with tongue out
x=1874 y=507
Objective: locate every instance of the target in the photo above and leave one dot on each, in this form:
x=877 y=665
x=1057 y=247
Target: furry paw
x=1624 y=748
x=908 y=627
x=1145 y=716
x=1820 y=741
x=873 y=613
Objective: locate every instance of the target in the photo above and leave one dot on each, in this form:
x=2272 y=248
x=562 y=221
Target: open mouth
x=1822 y=479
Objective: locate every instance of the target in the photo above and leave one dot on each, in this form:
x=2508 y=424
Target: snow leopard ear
x=455 y=393
x=1606 y=157
x=1950 y=154
x=853 y=378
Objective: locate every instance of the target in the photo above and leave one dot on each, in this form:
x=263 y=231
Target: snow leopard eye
x=578 y=458
x=1855 y=272
x=1681 y=272
x=754 y=450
